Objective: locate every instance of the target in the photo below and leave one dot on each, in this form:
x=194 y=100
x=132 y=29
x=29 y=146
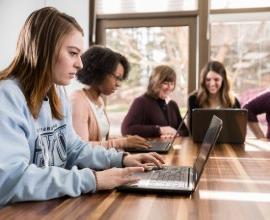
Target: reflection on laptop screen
x=208 y=142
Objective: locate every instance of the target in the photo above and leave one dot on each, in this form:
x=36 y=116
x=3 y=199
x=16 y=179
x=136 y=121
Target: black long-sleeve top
x=147 y=114
x=193 y=103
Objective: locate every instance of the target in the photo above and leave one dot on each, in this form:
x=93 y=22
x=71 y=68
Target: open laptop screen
x=206 y=147
x=179 y=128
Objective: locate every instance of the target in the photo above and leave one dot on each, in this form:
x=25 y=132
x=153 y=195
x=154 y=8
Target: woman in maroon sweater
x=154 y=113
x=256 y=106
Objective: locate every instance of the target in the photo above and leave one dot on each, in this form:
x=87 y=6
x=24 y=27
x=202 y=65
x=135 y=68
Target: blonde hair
x=37 y=50
x=227 y=98
x=159 y=75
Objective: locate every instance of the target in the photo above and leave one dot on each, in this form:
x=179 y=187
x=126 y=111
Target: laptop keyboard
x=155 y=145
x=170 y=177
x=159 y=144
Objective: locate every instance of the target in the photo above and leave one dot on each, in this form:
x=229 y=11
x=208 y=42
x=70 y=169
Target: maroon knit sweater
x=146 y=115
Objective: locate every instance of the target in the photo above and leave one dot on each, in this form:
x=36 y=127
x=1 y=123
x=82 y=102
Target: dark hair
x=37 y=50
x=226 y=97
x=98 y=62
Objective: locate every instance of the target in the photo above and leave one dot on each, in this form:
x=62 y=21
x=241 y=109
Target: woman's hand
x=167 y=137
x=143 y=160
x=167 y=130
x=111 y=178
x=136 y=141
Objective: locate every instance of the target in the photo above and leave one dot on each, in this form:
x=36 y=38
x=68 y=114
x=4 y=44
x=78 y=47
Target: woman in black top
x=214 y=92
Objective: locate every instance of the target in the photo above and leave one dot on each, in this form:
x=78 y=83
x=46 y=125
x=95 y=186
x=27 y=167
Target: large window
x=235 y=32
x=229 y=4
x=242 y=43
x=146 y=48
x=244 y=48
x=139 y=6
x=148 y=43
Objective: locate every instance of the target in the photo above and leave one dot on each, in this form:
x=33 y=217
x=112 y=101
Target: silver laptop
x=157 y=145
x=183 y=180
x=234 y=124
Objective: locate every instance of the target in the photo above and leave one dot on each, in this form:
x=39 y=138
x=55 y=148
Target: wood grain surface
x=235 y=185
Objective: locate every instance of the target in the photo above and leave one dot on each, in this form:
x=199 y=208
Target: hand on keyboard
x=151 y=167
x=135 y=141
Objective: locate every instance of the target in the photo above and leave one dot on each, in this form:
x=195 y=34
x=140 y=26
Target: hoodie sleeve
x=22 y=180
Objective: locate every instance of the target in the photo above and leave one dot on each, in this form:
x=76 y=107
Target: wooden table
x=235 y=185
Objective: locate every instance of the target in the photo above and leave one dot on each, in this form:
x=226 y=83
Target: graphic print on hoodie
x=53 y=140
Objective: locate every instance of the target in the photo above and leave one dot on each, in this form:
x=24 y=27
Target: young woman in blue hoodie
x=41 y=156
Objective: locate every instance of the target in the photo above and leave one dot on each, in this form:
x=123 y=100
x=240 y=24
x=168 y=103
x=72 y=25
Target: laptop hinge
x=189 y=176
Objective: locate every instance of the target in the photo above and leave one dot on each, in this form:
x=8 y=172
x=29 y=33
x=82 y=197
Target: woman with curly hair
x=103 y=71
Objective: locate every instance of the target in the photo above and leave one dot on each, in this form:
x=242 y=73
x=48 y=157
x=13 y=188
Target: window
x=238 y=36
x=145 y=48
x=229 y=4
x=139 y=6
x=148 y=42
x=242 y=43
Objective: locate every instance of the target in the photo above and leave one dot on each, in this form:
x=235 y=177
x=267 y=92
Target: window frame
x=153 y=20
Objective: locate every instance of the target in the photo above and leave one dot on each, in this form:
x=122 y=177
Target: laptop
x=175 y=179
x=234 y=124
x=157 y=145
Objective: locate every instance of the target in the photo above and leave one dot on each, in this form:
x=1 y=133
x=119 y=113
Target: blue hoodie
x=25 y=142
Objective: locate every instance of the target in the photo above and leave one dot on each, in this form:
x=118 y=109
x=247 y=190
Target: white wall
x=13 y=13
x=76 y=8
x=12 y=16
